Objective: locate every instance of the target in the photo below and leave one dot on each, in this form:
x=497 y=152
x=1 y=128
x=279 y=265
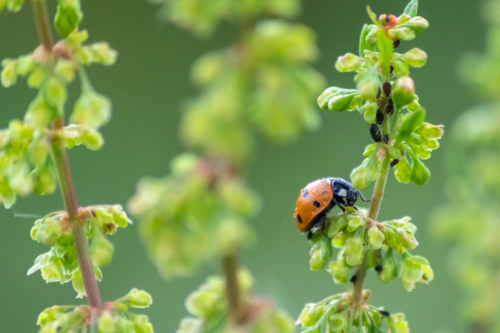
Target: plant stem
x=64 y=175
x=378 y=194
x=42 y=24
x=236 y=308
x=70 y=202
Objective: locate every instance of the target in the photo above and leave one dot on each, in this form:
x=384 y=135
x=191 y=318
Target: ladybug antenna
x=362 y=197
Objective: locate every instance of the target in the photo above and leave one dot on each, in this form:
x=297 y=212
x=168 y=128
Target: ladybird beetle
x=319 y=197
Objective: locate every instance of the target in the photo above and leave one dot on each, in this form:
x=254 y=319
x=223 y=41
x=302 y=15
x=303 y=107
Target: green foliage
x=208 y=309
x=386 y=244
x=202 y=17
x=61 y=262
x=204 y=216
x=378 y=64
x=24 y=146
x=115 y=318
x=469 y=222
x=262 y=83
x=338 y=314
x=385 y=96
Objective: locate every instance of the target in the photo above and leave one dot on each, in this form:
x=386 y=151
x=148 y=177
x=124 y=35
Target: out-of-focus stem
x=42 y=24
x=236 y=306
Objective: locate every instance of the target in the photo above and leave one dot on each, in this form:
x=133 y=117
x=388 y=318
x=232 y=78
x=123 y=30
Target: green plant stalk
x=42 y=24
x=65 y=179
x=376 y=201
x=70 y=202
x=236 y=308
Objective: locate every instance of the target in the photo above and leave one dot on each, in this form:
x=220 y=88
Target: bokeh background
x=148 y=86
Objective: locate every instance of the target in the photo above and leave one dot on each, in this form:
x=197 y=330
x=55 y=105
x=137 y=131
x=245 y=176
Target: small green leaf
x=412 y=8
x=363 y=45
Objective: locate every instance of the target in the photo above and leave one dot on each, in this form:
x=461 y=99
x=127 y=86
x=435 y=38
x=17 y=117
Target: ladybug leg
x=363 y=198
x=309 y=235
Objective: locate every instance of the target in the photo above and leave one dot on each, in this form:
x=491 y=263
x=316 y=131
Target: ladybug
x=319 y=197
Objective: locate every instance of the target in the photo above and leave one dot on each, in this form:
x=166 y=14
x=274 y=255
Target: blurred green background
x=148 y=85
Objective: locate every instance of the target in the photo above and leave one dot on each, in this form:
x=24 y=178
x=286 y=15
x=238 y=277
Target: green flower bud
x=348 y=63
x=389 y=267
x=336 y=225
x=370 y=112
x=75 y=135
x=429 y=131
x=403 y=18
x=101 y=251
x=190 y=325
x=371 y=149
x=138 y=299
x=409 y=123
x=55 y=92
x=36 y=77
x=77 y=282
x=401 y=68
x=338 y=99
x=311 y=314
x=25 y=65
x=9 y=72
x=44 y=180
x=47 y=231
x=102 y=53
x=417 y=24
x=50 y=315
x=337 y=323
x=415 y=269
x=403 y=92
x=394 y=152
x=202 y=303
x=39 y=113
x=420 y=174
x=106 y=323
x=68 y=16
x=397 y=323
x=365 y=174
x=91 y=109
x=15 y=5
x=141 y=324
x=65 y=69
x=20 y=179
x=363 y=45
x=369 y=85
x=354 y=251
x=354 y=222
x=415 y=57
x=403 y=171
x=402 y=32
x=320 y=254
x=375 y=237
x=339 y=272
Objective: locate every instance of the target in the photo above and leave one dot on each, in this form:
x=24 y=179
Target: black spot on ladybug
x=304 y=194
x=387 y=88
x=316 y=204
x=378 y=268
x=396 y=43
x=354 y=278
x=299 y=218
x=385 y=313
x=394 y=163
